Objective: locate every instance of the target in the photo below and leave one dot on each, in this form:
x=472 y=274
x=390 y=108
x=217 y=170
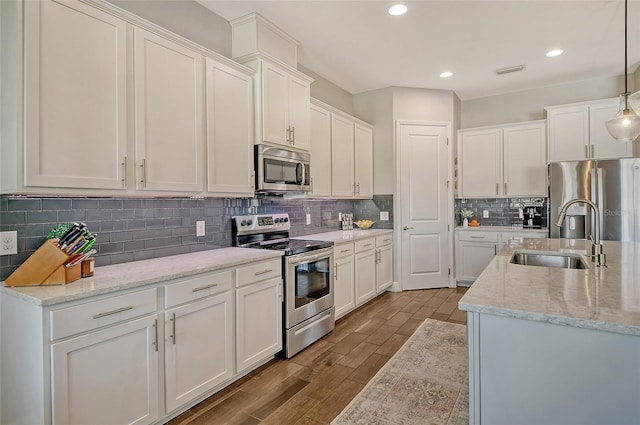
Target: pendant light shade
x=634 y=102
x=625 y=126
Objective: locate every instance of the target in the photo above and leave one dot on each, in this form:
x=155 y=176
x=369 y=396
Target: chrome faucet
x=596 y=246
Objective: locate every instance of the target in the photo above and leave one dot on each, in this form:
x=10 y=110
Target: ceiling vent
x=509 y=70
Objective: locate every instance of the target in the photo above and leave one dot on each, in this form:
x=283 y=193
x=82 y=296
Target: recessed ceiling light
x=556 y=52
x=446 y=74
x=398 y=9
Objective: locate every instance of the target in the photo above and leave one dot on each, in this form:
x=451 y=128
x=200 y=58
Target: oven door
x=309 y=285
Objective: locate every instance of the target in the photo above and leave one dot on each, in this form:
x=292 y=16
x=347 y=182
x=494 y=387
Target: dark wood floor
x=313 y=387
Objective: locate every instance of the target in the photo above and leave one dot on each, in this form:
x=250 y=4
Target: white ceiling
x=358 y=46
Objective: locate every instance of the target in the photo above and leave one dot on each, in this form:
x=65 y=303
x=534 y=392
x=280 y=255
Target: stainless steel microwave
x=281 y=170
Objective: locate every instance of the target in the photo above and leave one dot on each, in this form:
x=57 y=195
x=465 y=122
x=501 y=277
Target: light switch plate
x=200 y=228
x=308 y=218
x=384 y=215
x=485 y=213
x=8 y=243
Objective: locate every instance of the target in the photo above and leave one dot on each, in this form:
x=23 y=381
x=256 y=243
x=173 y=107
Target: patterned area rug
x=425 y=382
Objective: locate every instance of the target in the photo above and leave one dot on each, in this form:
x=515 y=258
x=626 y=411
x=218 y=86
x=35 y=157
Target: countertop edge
x=345 y=236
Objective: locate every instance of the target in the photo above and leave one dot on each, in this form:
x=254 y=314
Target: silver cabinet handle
x=143 y=173
x=124 y=171
x=368 y=244
x=335 y=272
x=586 y=151
x=593 y=151
x=311 y=184
x=386 y=240
x=263 y=272
x=358 y=190
x=202 y=288
x=505 y=188
x=109 y=313
x=173 y=329
x=293 y=135
x=344 y=250
x=155 y=340
x=477 y=237
x=252 y=179
x=497 y=188
x=354 y=188
x=288 y=137
x=407 y=228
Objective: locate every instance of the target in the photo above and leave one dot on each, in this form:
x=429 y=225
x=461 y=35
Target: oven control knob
x=286 y=219
x=249 y=222
x=278 y=220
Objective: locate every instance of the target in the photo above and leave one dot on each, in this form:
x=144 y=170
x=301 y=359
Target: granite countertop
x=505 y=229
x=341 y=236
x=117 y=277
x=606 y=299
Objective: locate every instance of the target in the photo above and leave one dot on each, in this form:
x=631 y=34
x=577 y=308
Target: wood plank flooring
x=314 y=386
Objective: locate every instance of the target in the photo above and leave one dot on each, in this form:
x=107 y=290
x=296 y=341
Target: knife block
x=40 y=266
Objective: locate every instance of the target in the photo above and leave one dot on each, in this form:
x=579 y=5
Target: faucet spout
x=597 y=252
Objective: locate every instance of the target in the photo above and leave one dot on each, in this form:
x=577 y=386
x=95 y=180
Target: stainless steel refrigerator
x=613 y=184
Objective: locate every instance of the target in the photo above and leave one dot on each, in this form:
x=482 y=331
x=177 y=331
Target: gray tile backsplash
x=136 y=229
x=501 y=212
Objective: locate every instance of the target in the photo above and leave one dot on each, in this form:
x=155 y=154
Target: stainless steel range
x=308 y=277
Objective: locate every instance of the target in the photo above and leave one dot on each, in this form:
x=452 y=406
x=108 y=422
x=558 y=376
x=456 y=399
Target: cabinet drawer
x=384 y=240
x=343 y=250
x=85 y=317
x=197 y=287
x=257 y=272
x=478 y=236
x=365 y=245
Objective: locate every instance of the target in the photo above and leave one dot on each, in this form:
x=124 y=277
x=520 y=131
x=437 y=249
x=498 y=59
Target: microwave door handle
x=304 y=175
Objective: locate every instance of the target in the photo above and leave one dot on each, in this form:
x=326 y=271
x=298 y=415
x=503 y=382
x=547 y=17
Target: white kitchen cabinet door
x=343 y=285
x=229 y=130
x=525 y=160
x=320 y=152
x=568 y=133
x=299 y=112
x=108 y=376
x=258 y=323
x=479 y=155
x=603 y=145
x=169 y=109
x=363 y=161
x=384 y=268
x=342 y=157
x=198 y=348
x=75 y=96
x=365 y=276
x=473 y=258
x=275 y=104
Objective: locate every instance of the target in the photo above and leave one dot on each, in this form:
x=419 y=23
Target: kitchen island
x=553 y=345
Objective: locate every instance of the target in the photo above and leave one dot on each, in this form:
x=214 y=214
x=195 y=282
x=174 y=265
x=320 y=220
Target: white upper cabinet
x=75 y=96
x=169 y=110
x=342 y=157
x=229 y=119
x=577 y=132
x=363 y=161
x=503 y=161
x=320 y=152
x=283 y=105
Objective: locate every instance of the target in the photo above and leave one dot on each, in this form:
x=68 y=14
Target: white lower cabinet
x=198 y=348
x=344 y=295
x=384 y=263
x=258 y=322
x=365 y=270
x=108 y=376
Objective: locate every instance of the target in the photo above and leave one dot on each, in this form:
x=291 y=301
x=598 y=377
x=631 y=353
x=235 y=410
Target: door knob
x=407 y=228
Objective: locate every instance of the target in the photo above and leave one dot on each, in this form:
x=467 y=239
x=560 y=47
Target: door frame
x=397 y=204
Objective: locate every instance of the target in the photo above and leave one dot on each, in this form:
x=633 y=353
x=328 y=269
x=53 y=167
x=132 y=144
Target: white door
x=480 y=166
x=320 y=152
x=342 y=157
x=363 y=166
x=343 y=285
x=603 y=145
x=107 y=377
x=169 y=107
x=198 y=348
x=229 y=130
x=299 y=110
x=424 y=204
x=275 y=104
x=525 y=160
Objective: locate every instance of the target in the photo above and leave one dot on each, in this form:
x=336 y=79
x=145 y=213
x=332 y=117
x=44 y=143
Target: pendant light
x=625 y=126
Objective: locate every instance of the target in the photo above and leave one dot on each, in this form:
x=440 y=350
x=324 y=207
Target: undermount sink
x=549 y=259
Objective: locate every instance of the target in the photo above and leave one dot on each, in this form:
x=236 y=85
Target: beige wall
x=422 y=104
x=324 y=90
x=186 y=18
x=529 y=104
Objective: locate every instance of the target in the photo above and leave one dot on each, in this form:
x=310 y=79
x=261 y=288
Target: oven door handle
x=309 y=258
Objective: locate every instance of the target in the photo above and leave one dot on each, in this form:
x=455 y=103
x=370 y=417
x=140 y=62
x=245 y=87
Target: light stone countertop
x=503 y=229
x=118 y=277
x=606 y=299
x=343 y=236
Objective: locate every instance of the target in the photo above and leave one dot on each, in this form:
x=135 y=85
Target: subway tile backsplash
x=501 y=212
x=136 y=229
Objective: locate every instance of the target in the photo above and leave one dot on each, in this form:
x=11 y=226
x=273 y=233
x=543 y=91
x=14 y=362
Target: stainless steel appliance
x=308 y=277
x=613 y=185
x=281 y=170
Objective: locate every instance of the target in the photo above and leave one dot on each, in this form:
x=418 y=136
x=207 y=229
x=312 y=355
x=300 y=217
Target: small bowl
x=364 y=224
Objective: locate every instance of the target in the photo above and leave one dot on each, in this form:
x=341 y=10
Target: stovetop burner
x=292 y=246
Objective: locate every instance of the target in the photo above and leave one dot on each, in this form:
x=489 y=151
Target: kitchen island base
x=533 y=372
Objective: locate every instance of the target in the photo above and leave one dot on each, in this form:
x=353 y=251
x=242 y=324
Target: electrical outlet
x=308 y=218
x=384 y=215
x=200 y=228
x=485 y=213
x=8 y=243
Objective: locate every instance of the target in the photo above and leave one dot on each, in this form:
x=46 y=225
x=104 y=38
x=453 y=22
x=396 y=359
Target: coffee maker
x=531 y=215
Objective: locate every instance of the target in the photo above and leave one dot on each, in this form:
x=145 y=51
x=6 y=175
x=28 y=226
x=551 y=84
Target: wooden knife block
x=44 y=267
